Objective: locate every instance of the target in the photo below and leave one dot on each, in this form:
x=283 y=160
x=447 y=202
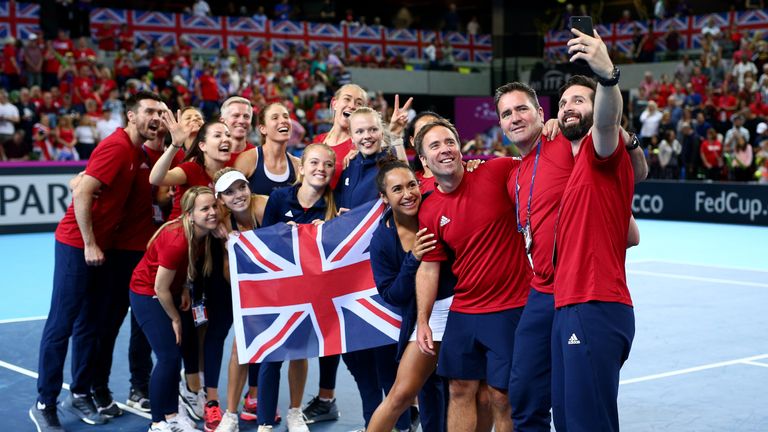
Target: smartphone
x=582 y=24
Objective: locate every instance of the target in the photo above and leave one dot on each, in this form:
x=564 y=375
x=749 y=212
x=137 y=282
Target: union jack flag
x=18 y=19
x=305 y=291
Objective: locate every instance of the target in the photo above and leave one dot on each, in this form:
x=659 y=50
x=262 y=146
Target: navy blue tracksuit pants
x=590 y=342
x=73 y=313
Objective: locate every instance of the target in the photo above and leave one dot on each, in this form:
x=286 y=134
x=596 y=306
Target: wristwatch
x=612 y=80
x=634 y=142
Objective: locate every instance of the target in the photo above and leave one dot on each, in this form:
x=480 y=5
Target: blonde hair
x=330 y=209
x=187 y=207
x=385 y=137
x=234 y=100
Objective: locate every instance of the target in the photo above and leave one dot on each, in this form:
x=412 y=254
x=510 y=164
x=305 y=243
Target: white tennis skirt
x=438 y=319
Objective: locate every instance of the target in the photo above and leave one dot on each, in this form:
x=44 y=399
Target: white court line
x=697 y=278
x=694 y=369
x=65 y=386
x=17 y=320
x=698 y=265
x=754 y=363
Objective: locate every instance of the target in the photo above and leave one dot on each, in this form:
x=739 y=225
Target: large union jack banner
x=308 y=291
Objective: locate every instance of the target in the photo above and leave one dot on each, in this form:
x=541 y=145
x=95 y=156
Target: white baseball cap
x=226 y=180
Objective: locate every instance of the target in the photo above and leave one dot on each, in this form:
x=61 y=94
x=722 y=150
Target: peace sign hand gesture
x=399 y=116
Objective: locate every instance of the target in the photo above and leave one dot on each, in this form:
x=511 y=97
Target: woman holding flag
x=310 y=200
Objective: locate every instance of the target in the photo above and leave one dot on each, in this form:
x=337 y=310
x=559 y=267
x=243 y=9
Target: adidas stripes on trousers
x=590 y=342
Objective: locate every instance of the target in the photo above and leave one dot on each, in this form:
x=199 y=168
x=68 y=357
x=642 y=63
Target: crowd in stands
x=710 y=119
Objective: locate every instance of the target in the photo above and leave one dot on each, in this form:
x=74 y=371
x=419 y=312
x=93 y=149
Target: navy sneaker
x=84 y=409
x=319 y=410
x=45 y=418
x=106 y=406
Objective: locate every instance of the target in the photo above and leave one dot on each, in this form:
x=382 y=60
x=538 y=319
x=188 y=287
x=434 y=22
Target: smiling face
x=317 y=166
x=217 y=144
x=402 y=192
x=519 y=118
x=440 y=149
x=574 y=114
x=192 y=120
x=238 y=117
x=277 y=124
x=366 y=133
x=205 y=214
x=237 y=197
x=349 y=98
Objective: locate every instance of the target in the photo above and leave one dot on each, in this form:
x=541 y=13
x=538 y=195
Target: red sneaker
x=249 y=410
x=212 y=416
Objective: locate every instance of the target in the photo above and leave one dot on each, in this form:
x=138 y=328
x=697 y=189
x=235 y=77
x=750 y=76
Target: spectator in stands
x=403 y=18
x=11 y=68
x=160 y=68
x=669 y=152
x=87 y=136
x=761 y=160
x=684 y=69
x=672 y=41
x=32 y=55
x=9 y=117
x=742 y=68
x=737 y=131
x=711 y=28
x=64 y=140
x=689 y=154
x=473 y=26
x=741 y=159
x=201 y=8
x=451 y=19
x=27 y=113
x=16 y=149
x=650 y=119
x=711 y=152
x=207 y=91
x=626 y=17
x=761 y=135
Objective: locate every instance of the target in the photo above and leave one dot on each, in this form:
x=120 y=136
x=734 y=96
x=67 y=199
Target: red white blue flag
x=308 y=291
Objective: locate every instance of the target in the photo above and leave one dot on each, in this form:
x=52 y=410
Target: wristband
x=177 y=146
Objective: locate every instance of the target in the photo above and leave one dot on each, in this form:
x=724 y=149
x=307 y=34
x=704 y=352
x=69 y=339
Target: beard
x=579 y=130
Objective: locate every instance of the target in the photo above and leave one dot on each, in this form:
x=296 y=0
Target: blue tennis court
x=699 y=360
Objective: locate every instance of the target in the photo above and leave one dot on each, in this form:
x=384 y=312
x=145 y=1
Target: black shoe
x=139 y=400
x=106 y=406
x=84 y=409
x=318 y=410
x=45 y=419
x=415 y=419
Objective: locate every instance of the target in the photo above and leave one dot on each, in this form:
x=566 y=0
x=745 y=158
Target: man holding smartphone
x=594 y=324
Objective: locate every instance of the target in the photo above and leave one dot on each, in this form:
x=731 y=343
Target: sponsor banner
x=34 y=199
x=702 y=202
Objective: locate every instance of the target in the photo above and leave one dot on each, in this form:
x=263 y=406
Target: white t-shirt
x=86 y=135
x=6 y=126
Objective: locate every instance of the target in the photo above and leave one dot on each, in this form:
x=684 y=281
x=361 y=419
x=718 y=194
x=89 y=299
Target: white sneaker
x=183 y=416
x=191 y=401
x=179 y=424
x=228 y=423
x=296 y=421
x=265 y=428
x=159 y=427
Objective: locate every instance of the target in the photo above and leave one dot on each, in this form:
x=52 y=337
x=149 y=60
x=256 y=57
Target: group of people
x=460 y=250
